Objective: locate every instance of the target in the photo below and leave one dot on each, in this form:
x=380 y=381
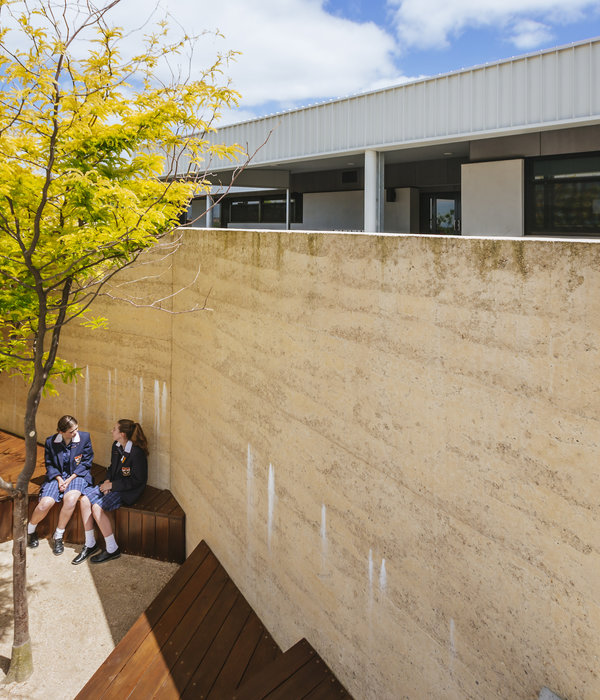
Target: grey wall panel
x=538 y=91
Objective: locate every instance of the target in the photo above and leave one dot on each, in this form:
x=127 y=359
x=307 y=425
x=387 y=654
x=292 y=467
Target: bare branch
x=7 y=486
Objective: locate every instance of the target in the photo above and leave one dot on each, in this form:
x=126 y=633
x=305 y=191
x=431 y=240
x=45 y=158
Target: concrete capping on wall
x=547 y=694
x=390 y=441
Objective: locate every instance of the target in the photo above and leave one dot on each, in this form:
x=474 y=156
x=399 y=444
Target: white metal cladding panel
x=534 y=90
x=505 y=96
x=595 y=79
x=582 y=85
x=453 y=104
x=519 y=93
x=549 y=75
x=550 y=87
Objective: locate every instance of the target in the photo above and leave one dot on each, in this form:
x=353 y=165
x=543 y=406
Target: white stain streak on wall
x=109 y=397
x=163 y=401
x=86 y=397
x=370 y=578
x=452 y=644
x=156 y=416
x=141 y=408
x=75 y=394
x=249 y=489
x=271 y=492
x=323 y=537
x=382 y=576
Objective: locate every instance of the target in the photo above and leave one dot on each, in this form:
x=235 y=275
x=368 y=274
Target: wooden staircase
x=200 y=639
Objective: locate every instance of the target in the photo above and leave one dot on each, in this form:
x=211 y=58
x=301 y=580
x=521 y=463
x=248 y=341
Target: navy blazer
x=128 y=472
x=74 y=458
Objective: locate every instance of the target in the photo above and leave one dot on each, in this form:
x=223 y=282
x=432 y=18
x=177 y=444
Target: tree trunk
x=21 y=663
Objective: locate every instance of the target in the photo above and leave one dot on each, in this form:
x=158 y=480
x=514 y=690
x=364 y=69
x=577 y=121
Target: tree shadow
x=126 y=586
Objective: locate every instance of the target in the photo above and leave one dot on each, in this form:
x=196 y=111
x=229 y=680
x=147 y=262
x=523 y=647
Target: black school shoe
x=33 y=540
x=58 y=547
x=84 y=554
x=105 y=556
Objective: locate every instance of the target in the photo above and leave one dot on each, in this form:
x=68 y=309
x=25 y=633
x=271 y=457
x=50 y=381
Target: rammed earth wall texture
x=391 y=443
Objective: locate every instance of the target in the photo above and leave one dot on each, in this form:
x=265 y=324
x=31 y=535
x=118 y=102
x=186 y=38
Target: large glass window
x=563 y=196
x=268 y=209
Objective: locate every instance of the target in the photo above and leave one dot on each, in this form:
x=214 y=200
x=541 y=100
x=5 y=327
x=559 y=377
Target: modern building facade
x=504 y=149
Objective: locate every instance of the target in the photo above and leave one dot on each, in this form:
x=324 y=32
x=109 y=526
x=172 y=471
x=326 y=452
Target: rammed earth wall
x=391 y=443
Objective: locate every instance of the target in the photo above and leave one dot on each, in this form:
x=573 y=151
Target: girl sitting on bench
x=124 y=483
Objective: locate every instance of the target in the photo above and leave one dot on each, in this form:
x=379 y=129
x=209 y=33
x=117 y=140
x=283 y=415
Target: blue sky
x=298 y=52
x=474 y=32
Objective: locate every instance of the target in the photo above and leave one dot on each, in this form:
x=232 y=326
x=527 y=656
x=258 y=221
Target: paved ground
x=76 y=615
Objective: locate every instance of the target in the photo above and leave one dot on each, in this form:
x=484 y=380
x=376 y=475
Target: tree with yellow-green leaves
x=91 y=174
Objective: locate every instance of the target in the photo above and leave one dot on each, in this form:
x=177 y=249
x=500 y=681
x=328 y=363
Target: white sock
x=90 y=538
x=58 y=533
x=31 y=528
x=111 y=544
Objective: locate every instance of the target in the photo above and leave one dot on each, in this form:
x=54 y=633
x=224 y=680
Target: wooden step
x=196 y=640
x=299 y=673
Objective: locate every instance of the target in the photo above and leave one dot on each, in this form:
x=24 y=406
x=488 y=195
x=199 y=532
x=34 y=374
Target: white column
x=209 y=212
x=373 y=191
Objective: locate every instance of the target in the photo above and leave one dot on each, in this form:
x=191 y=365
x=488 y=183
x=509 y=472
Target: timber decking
x=201 y=639
x=299 y=673
x=152 y=527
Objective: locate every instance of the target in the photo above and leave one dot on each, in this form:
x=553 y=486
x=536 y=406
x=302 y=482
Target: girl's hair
x=134 y=432
x=66 y=423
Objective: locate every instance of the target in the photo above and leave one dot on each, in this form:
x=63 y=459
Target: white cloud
x=526 y=23
x=291 y=50
x=528 y=34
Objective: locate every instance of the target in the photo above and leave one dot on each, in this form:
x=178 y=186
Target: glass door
x=440 y=212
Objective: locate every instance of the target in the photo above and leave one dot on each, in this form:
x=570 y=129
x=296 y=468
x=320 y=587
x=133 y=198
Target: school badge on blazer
x=126 y=471
x=78 y=459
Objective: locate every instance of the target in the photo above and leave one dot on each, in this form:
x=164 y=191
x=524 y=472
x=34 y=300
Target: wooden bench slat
x=209 y=668
x=302 y=682
x=242 y=651
x=6 y=516
x=265 y=652
x=298 y=673
x=271 y=676
x=157 y=500
x=175 y=644
x=150 y=494
x=329 y=689
x=199 y=643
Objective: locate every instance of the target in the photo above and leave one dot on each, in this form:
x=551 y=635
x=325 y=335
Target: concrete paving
x=77 y=614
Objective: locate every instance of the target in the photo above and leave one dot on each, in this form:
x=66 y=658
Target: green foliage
x=92 y=165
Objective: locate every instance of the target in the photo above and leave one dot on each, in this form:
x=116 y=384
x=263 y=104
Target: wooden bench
x=201 y=639
x=152 y=527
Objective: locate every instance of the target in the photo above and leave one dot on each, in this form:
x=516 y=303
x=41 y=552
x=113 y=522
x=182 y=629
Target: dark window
x=262 y=210
x=273 y=211
x=349 y=177
x=563 y=196
x=244 y=210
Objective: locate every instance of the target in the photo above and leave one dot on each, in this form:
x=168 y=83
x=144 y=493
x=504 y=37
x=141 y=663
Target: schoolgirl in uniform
x=125 y=481
x=68 y=455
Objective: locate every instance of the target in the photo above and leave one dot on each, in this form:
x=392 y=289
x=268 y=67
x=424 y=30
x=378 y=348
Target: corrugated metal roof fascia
x=541 y=89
